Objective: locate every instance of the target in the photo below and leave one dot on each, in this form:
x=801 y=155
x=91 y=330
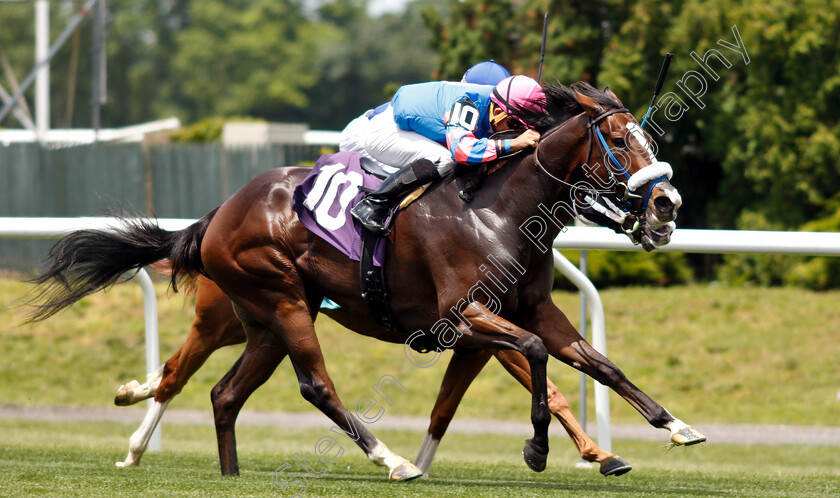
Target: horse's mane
x=560 y=105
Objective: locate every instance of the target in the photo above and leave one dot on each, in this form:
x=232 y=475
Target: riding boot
x=372 y=211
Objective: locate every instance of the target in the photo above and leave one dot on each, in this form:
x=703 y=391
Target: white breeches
x=388 y=144
x=353 y=135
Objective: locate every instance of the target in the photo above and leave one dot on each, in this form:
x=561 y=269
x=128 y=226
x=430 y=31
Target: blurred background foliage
x=760 y=152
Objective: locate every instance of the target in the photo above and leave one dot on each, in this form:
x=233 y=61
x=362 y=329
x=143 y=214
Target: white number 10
x=464 y=115
x=322 y=196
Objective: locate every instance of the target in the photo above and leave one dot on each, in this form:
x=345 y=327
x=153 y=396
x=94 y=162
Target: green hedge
x=818 y=273
x=612 y=269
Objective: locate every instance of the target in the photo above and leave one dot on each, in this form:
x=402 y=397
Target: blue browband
x=608 y=153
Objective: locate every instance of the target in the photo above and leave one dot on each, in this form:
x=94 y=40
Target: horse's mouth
x=656 y=219
x=651 y=237
x=651 y=230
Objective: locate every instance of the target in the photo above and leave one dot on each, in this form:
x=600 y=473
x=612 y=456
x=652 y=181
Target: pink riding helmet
x=518 y=91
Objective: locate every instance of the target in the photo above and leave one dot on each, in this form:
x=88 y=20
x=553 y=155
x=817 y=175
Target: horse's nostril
x=663 y=204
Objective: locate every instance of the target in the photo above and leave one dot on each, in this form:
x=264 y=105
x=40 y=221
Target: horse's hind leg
x=263 y=352
x=214 y=327
x=610 y=464
x=287 y=314
x=134 y=392
x=461 y=371
x=138 y=441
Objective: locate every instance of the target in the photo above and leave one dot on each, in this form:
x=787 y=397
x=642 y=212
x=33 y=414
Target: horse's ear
x=589 y=105
x=611 y=95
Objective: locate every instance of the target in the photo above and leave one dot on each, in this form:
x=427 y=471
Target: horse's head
x=644 y=203
x=615 y=179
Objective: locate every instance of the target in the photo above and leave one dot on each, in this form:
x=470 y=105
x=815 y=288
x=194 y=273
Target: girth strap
x=373 y=284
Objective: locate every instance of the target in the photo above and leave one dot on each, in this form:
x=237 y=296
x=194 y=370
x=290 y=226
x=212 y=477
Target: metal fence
x=170 y=181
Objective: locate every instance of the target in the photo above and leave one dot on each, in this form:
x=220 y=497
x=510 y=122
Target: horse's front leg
x=489 y=331
x=565 y=343
x=610 y=463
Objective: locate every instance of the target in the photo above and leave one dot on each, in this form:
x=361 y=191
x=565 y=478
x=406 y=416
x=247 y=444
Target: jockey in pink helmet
x=354 y=134
x=431 y=126
x=520 y=91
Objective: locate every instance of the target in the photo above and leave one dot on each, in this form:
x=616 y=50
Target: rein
x=622 y=209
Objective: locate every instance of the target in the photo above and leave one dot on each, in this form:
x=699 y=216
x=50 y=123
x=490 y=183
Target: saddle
x=323 y=208
x=375 y=168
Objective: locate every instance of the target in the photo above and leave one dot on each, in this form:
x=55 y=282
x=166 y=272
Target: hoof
x=687 y=437
x=405 y=472
x=127 y=463
x=534 y=459
x=615 y=466
x=123 y=397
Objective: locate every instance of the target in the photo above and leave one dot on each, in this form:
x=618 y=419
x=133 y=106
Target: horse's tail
x=187 y=282
x=87 y=261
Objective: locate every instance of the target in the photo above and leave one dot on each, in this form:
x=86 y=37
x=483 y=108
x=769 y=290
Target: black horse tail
x=87 y=261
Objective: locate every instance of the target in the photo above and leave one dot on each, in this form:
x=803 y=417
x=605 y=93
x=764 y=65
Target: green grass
x=710 y=354
x=77 y=459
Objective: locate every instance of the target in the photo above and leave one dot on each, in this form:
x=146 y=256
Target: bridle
x=621 y=206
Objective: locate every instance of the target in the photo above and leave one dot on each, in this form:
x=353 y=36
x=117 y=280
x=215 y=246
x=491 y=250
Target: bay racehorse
x=277 y=273
x=215 y=326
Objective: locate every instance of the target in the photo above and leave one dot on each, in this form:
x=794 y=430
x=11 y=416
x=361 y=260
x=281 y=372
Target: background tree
x=360 y=61
x=471 y=31
x=140 y=46
x=767 y=140
x=247 y=57
x=141 y=43
x=17 y=35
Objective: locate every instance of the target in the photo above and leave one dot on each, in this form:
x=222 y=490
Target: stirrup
x=369 y=212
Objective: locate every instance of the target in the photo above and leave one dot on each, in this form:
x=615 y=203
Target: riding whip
x=542 y=49
x=662 y=73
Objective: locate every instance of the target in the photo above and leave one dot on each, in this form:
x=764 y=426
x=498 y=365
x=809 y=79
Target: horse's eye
x=619 y=142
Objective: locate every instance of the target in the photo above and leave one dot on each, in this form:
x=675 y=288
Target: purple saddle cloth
x=324 y=198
